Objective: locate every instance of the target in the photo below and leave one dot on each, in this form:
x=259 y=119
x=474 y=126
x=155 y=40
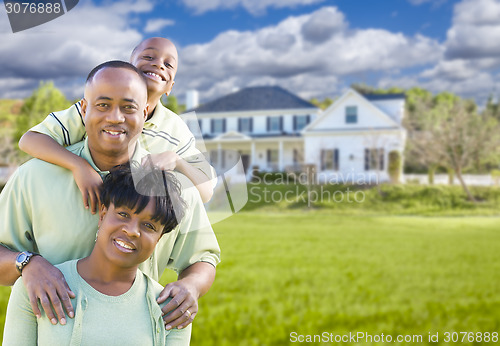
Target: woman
x=115 y=302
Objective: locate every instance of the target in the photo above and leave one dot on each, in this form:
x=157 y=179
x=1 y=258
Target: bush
x=385 y=199
x=395 y=166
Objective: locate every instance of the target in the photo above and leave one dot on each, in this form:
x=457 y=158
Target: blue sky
x=314 y=48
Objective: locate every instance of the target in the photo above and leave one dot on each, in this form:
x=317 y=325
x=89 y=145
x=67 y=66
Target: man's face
x=115 y=110
x=157 y=59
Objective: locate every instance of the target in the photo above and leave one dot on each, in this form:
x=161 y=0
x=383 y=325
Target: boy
x=165 y=135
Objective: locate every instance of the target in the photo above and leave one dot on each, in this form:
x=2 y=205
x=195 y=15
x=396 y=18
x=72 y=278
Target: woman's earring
x=96 y=233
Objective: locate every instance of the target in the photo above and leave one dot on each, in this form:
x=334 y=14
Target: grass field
x=314 y=272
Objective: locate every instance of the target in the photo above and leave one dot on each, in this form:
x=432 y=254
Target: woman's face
x=126 y=238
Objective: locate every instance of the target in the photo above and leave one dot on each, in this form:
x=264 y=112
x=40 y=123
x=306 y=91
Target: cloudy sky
x=314 y=48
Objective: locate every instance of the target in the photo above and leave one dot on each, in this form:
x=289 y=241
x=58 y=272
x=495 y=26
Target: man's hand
x=184 y=301
x=89 y=182
x=166 y=160
x=46 y=283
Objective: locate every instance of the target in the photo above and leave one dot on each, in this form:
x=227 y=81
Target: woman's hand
x=89 y=182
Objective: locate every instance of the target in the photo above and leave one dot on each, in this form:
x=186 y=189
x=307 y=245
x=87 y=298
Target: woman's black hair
x=134 y=186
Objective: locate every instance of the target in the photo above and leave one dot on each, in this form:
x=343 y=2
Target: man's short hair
x=135 y=187
x=115 y=64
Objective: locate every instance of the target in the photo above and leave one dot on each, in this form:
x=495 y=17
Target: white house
x=274 y=130
x=352 y=139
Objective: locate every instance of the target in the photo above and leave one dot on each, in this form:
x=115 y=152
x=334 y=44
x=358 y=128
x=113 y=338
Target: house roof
x=380 y=97
x=255 y=98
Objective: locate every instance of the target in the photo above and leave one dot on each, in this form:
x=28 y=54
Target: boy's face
x=157 y=59
x=125 y=237
x=115 y=110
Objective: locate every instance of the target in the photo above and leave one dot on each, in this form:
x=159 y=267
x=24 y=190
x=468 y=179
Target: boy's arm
x=169 y=160
x=47 y=149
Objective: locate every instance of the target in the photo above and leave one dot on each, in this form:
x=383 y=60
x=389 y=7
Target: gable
x=369 y=116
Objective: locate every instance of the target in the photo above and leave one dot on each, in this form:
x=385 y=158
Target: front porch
x=269 y=154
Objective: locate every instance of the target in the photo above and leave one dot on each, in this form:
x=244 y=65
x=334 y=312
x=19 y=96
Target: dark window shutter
x=212 y=125
x=381 y=159
x=367 y=159
x=336 y=159
x=322 y=159
x=239 y=124
x=281 y=123
x=223 y=125
x=268 y=155
x=308 y=119
x=268 y=126
x=295 y=123
x=251 y=124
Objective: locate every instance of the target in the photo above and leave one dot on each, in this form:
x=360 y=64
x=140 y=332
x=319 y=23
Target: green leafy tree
x=450 y=133
x=492 y=108
x=322 y=104
x=44 y=100
x=174 y=106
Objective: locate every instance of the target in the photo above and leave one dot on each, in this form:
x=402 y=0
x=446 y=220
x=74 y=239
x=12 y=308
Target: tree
x=322 y=104
x=451 y=134
x=44 y=100
x=173 y=105
x=492 y=108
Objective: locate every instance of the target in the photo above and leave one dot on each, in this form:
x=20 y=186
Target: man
x=42 y=210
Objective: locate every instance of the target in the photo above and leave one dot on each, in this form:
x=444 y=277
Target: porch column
x=219 y=156
x=280 y=157
x=252 y=155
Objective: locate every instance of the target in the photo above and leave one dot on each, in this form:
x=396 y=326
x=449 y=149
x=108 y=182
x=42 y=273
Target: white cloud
x=299 y=53
x=154 y=25
x=451 y=70
x=67 y=48
x=255 y=7
x=475 y=32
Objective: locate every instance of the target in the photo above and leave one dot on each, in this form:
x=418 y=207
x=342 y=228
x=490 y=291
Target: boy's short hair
x=135 y=187
x=115 y=64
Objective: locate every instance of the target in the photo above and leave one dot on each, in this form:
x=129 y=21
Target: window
x=329 y=159
x=374 y=158
x=218 y=125
x=351 y=114
x=245 y=125
x=274 y=124
x=300 y=121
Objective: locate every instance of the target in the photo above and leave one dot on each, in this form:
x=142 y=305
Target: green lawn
x=313 y=272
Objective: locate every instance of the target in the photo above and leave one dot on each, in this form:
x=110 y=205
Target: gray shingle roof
x=255 y=98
